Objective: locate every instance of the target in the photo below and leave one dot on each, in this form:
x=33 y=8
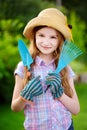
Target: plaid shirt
x=46 y=113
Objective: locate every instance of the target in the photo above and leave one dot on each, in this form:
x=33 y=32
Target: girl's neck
x=46 y=58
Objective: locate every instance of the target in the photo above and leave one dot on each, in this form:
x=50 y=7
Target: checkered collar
x=39 y=61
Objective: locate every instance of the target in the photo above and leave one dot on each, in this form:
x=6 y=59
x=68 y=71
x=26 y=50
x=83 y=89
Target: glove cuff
x=25 y=97
x=59 y=93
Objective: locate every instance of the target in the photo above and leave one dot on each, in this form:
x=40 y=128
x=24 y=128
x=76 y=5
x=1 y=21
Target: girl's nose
x=46 y=41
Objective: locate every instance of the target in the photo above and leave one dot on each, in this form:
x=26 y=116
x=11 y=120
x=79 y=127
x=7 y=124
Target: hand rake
x=69 y=52
x=25 y=55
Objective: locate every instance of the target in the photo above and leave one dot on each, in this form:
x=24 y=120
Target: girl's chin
x=46 y=53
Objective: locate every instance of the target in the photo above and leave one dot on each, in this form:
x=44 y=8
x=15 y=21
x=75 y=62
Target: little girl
x=46 y=108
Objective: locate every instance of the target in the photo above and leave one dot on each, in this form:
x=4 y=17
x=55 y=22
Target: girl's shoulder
x=70 y=71
x=19 y=69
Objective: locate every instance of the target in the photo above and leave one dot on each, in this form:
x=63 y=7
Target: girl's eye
x=53 y=37
x=41 y=35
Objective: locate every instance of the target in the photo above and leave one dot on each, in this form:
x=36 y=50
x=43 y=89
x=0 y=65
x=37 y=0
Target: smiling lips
x=45 y=47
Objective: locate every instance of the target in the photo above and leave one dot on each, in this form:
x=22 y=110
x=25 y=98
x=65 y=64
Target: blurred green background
x=14 y=14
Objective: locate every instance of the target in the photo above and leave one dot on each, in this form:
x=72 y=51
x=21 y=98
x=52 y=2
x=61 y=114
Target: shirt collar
x=40 y=61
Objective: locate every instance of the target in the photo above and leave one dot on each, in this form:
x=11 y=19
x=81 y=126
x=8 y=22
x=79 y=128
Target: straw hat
x=50 y=17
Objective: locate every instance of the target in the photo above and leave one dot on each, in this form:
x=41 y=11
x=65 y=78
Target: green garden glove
x=53 y=80
x=32 y=88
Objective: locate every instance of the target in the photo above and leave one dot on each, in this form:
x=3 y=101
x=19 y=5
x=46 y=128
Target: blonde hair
x=64 y=73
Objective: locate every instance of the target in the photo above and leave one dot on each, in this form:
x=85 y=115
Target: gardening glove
x=53 y=81
x=32 y=88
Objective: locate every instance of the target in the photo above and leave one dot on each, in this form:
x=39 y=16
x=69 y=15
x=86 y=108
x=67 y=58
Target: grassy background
x=80 y=120
x=10 y=120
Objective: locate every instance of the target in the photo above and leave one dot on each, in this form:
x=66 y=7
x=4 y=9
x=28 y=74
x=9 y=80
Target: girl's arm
x=72 y=104
x=17 y=102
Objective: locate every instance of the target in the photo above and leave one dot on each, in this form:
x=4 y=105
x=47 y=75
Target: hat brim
x=47 y=21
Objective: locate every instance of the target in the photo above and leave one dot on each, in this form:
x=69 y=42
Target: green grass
x=80 y=120
x=10 y=120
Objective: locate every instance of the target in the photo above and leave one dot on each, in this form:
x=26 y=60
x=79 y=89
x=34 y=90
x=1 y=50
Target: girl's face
x=47 y=40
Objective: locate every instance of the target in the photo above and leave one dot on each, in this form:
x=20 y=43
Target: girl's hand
x=53 y=80
x=28 y=74
x=32 y=88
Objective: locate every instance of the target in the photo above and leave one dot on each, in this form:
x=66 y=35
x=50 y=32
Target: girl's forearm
x=17 y=104
x=71 y=104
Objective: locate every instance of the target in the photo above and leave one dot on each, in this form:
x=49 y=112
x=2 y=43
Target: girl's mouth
x=46 y=47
